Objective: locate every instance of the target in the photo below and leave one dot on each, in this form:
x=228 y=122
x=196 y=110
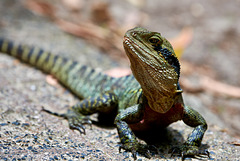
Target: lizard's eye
x=155 y=40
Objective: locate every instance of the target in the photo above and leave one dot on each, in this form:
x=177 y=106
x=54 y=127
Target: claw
x=182 y=156
x=75 y=122
x=204 y=152
x=173 y=152
x=81 y=128
x=86 y=120
x=134 y=153
x=188 y=150
x=147 y=154
x=155 y=148
x=120 y=147
x=207 y=153
x=137 y=149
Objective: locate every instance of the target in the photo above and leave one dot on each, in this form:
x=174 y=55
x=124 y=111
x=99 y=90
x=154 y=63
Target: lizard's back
x=82 y=80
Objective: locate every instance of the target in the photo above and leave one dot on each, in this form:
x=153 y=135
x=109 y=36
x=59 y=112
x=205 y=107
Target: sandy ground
x=26 y=133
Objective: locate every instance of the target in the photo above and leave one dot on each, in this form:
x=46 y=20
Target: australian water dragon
x=151 y=98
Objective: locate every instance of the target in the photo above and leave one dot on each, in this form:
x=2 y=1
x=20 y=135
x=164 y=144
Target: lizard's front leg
x=128 y=140
x=76 y=115
x=191 y=146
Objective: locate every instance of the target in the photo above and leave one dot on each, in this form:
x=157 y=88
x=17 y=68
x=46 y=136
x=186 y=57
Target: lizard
x=150 y=98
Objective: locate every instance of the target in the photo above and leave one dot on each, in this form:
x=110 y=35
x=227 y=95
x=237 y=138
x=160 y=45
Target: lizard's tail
x=34 y=56
x=82 y=80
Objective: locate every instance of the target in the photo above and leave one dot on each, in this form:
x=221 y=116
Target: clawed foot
x=75 y=120
x=189 y=150
x=136 y=148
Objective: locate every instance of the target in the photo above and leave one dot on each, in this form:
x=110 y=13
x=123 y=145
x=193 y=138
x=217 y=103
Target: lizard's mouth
x=132 y=48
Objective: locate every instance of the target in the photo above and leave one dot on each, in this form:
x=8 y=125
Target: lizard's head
x=154 y=65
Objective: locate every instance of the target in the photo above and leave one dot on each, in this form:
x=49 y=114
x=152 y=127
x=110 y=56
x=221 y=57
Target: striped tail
x=36 y=57
x=82 y=80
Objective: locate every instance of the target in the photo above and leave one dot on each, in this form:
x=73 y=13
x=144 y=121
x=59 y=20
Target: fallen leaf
x=16 y=62
x=73 y=5
x=215 y=86
x=182 y=40
x=41 y=8
x=118 y=72
x=100 y=13
x=51 y=80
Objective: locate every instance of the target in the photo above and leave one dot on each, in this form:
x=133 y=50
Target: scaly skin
x=150 y=98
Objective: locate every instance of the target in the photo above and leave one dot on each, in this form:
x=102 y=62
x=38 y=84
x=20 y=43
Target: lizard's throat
x=158 y=102
x=158 y=93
